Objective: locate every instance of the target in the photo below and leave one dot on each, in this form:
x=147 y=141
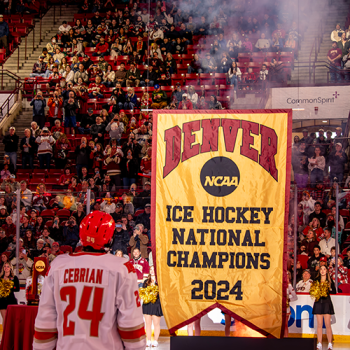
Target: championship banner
x=220 y=193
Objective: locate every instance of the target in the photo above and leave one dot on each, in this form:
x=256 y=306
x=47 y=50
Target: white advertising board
x=330 y=101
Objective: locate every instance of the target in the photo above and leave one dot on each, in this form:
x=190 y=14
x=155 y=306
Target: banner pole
x=18 y=209
x=88 y=199
x=295 y=236
x=336 y=235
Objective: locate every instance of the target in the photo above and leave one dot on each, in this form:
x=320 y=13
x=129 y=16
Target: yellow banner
x=219 y=215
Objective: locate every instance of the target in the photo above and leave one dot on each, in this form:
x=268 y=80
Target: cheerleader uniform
x=150 y=308
x=10 y=299
x=324 y=305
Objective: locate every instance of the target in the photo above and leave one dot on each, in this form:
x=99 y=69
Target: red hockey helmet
x=96 y=230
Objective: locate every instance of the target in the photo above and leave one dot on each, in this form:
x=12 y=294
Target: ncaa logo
x=220 y=176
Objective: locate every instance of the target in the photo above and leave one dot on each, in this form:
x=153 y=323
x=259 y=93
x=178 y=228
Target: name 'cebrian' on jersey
x=86 y=304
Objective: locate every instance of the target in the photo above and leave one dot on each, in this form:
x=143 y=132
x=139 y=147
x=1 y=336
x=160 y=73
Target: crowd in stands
x=319 y=164
x=339 y=55
x=94 y=86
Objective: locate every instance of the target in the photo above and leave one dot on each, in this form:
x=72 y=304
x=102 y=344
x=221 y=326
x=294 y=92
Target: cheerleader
x=7 y=275
x=197 y=328
x=291 y=296
x=152 y=312
x=321 y=289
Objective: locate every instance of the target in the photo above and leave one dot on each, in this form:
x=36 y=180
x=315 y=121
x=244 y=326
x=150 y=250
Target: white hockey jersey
x=90 y=301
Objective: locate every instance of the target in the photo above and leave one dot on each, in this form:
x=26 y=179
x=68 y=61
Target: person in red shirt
x=66 y=178
x=334 y=57
x=96 y=89
x=101 y=48
x=185 y=103
x=55 y=104
x=57 y=128
x=9 y=227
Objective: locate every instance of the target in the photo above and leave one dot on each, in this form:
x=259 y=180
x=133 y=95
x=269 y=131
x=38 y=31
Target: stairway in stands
x=330 y=16
x=49 y=29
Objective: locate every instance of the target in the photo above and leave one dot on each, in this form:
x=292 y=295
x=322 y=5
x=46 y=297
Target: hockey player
x=90 y=299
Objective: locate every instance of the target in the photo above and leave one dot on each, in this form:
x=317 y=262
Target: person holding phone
x=120 y=238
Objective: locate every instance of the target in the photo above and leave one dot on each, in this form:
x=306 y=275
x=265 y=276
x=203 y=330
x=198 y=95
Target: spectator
x=214 y=103
x=46 y=237
x=97 y=131
x=319 y=214
x=342 y=271
x=26 y=195
x=334 y=57
x=28 y=150
x=310 y=242
x=300 y=165
x=120 y=75
x=39 y=68
x=327 y=243
x=149 y=77
x=55 y=104
x=208 y=64
x=70 y=106
x=115 y=128
x=140 y=264
x=185 y=103
x=83 y=155
x=234 y=75
x=195 y=65
x=9 y=227
x=4 y=33
x=139 y=241
x=337 y=160
x=276 y=71
x=111 y=163
x=61 y=151
x=337 y=33
x=45 y=142
x=69 y=201
x=144 y=197
x=24 y=263
x=145 y=220
x=130 y=99
x=316 y=165
x=304 y=285
x=26 y=226
x=132 y=76
x=58 y=56
x=11 y=145
x=159 y=98
x=262 y=44
x=129 y=168
x=71 y=233
x=120 y=239
x=57 y=129
x=96 y=89
x=39 y=104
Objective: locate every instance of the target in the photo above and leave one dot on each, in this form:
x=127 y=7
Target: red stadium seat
x=303 y=259
x=345 y=288
x=206 y=78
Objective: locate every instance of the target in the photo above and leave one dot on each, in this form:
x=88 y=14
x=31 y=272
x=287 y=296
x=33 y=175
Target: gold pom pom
x=149 y=294
x=5 y=288
x=319 y=290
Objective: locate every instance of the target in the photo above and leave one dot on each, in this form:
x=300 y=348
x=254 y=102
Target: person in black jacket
x=70 y=106
x=11 y=145
x=144 y=197
x=129 y=167
x=39 y=104
x=337 y=160
x=28 y=148
x=83 y=155
x=120 y=239
x=149 y=77
x=97 y=131
x=119 y=95
x=86 y=121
